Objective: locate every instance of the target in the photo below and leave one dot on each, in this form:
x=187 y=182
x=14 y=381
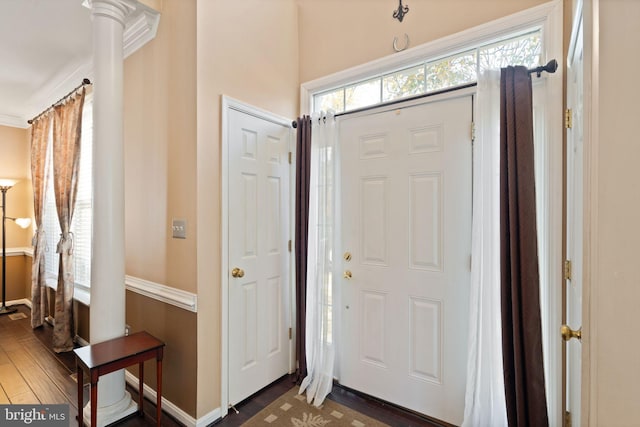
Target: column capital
x=139 y=21
x=118 y=10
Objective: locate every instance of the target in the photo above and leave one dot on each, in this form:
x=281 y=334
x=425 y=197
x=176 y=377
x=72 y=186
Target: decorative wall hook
x=400 y=12
x=406 y=43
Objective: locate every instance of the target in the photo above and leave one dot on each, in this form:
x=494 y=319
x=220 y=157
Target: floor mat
x=292 y=409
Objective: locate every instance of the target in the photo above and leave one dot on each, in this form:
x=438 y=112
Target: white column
x=107 y=313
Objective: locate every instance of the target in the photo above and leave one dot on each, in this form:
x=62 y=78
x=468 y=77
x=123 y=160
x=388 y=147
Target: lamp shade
x=7 y=183
x=23 y=222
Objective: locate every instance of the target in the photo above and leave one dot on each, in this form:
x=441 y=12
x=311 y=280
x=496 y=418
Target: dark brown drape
x=521 y=324
x=303 y=168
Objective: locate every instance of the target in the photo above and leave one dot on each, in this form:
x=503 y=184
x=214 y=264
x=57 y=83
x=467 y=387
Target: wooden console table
x=113 y=355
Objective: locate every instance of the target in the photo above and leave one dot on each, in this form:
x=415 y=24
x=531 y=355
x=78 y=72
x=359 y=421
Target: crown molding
x=13 y=121
x=140 y=27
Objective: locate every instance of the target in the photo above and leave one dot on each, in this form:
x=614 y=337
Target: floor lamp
x=5 y=185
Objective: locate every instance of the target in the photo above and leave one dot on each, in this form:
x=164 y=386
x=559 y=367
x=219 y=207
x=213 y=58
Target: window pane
x=453 y=71
x=329 y=101
x=404 y=83
x=362 y=94
x=523 y=50
x=82 y=216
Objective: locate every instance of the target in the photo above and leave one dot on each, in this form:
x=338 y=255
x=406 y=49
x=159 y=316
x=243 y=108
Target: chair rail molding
x=176 y=297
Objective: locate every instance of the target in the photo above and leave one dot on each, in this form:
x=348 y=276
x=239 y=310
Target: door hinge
x=567 y=419
x=290 y=333
x=567 y=269
x=568 y=118
x=290 y=156
x=473 y=131
x=289 y=244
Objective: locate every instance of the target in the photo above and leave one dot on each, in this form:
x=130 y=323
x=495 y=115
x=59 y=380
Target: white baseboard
x=24 y=301
x=173 y=410
x=78 y=339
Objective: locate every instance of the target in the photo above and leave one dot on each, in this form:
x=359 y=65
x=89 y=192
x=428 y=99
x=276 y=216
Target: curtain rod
x=85 y=82
x=550 y=67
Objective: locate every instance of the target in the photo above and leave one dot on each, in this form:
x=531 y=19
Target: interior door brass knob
x=237 y=272
x=568 y=333
x=347 y=274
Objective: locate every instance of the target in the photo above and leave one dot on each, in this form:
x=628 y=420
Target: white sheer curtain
x=485 y=401
x=323 y=229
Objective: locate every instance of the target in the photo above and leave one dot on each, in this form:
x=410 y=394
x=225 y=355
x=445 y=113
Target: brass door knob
x=568 y=333
x=237 y=272
x=347 y=274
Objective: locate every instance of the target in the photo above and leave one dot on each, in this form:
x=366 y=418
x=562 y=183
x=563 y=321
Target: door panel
x=258 y=239
x=406 y=219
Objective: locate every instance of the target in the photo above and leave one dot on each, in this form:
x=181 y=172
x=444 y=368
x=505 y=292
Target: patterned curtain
x=67 y=127
x=39 y=174
x=521 y=320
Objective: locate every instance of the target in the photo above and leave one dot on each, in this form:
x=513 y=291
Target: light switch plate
x=179 y=228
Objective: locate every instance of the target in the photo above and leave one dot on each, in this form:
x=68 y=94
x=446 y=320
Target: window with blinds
x=82 y=216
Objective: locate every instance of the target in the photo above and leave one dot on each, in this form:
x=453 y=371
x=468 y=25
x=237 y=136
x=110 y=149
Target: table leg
x=159 y=387
x=94 y=397
x=80 y=380
x=140 y=388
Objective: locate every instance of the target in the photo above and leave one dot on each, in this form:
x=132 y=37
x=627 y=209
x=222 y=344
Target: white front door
x=574 y=225
x=406 y=203
x=258 y=268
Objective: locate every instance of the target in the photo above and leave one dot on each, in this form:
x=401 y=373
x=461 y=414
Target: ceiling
x=43 y=45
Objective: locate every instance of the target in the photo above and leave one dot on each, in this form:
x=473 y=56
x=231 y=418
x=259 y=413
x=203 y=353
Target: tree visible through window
x=433 y=75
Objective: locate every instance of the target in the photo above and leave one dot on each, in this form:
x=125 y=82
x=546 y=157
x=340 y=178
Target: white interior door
x=574 y=225
x=406 y=203
x=258 y=290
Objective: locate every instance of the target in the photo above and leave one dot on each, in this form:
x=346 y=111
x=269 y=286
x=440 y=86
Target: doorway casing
x=228 y=104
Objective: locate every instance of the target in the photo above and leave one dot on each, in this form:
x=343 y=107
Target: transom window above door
x=434 y=74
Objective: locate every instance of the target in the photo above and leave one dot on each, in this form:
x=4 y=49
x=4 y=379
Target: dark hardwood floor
x=30 y=372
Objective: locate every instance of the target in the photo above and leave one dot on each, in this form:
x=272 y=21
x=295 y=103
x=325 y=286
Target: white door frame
x=228 y=104
x=590 y=254
x=548 y=16
x=576 y=239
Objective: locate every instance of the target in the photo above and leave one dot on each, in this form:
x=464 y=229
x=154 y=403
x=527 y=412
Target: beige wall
x=17 y=267
x=339 y=34
x=616 y=281
x=249 y=51
x=176 y=327
x=160 y=184
x=14 y=163
x=160 y=151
